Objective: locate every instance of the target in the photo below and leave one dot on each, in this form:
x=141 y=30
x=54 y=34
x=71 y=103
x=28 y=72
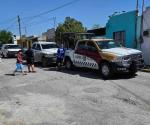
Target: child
x=19 y=65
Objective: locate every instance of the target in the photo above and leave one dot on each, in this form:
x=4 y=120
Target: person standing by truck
x=60 y=56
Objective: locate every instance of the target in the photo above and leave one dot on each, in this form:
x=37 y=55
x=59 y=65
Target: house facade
x=124 y=28
x=145 y=45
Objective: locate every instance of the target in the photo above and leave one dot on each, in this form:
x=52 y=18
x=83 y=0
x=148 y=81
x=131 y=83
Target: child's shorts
x=19 y=67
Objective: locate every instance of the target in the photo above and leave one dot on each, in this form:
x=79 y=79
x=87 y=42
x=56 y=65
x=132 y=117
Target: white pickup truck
x=45 y=52
x=104 y=55
x=10 y=50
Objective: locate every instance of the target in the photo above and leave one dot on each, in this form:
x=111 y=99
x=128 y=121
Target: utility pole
x=19 y=28
x=142 y=17
x=137 y=4
x=54 y=18
x=25 y=29
x=136 y=19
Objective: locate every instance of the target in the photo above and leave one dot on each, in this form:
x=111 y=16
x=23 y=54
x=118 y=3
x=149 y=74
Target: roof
x=98 y=31
x=98 y=39
x=44 y=42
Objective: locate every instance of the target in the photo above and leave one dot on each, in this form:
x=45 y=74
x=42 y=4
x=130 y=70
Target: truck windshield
x=49 y=46
x=108 y=44
x=13 y=47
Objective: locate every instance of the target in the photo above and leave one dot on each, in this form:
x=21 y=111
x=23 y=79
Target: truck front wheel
x=133 y=69
x=105 y=70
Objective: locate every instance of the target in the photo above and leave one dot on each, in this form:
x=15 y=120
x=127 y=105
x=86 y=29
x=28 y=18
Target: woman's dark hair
x=19 y=51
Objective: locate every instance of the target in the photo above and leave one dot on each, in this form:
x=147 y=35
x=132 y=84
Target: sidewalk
x=146 y=69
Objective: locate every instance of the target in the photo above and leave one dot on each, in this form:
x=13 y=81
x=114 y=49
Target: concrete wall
x=124 y=22
x=146 y=39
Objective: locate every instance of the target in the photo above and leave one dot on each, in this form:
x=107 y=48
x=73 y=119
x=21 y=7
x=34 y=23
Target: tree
x=69 y=25
x=5 y=36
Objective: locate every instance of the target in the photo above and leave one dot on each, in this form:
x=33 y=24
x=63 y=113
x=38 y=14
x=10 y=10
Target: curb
x=145 y=70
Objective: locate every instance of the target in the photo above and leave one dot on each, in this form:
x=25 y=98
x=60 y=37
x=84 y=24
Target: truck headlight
x=126 y=58
x=122 y=61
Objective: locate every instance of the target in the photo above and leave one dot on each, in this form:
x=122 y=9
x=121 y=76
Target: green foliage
x=69 y=25
x=5 y=36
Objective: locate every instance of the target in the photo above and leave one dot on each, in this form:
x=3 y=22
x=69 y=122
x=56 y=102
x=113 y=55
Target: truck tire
x=105 y=70
x=133 y=69
x=4 y=55
x=44 y=62
x=68 y=64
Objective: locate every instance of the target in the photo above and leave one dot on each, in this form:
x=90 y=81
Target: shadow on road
x=11 y=74
x=88 y=73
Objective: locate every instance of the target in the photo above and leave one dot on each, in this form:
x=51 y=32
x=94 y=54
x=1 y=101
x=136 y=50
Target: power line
x=49 y=11
x=30 y=18
x=10 y=26
x=8 y=20
x=40 y=22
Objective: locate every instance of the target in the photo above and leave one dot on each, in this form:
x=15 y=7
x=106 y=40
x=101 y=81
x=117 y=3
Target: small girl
x=19 y=65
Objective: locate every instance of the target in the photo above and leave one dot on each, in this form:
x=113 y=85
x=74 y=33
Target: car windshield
x=13 y=47
x=108 y=44
x=49 y=46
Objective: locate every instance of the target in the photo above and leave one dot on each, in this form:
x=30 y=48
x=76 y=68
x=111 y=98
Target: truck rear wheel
x=68 y=64
x=105 y=70
x=44 y=62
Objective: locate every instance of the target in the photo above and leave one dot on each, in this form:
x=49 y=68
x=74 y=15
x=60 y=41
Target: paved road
x=51 y=97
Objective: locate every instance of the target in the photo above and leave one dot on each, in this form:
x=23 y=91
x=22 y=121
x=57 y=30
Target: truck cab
x=104 y=55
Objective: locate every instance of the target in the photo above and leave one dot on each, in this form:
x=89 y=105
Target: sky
x=34 y=22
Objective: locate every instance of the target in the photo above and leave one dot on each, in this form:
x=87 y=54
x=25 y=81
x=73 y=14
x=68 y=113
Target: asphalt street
x=79 y=97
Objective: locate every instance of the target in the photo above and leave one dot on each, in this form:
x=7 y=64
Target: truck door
x=38 y=53
x=34 y=52
x=92 y=56
x=80 y=54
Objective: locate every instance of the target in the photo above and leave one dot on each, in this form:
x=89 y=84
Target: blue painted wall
x=124 y=22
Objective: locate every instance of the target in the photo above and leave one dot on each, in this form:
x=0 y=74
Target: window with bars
x=119 y=37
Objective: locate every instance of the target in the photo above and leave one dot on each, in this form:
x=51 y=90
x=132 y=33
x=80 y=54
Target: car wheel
x=68 y=64
x=133 y=69
x=5 y=55
x=105 y=70
x=2 y=55
x=44 y=62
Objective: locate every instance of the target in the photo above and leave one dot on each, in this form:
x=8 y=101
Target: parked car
x=10 y=50
x=45 y=52
x=104 y=55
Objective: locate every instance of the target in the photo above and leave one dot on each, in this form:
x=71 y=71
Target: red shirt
x=19 y=58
